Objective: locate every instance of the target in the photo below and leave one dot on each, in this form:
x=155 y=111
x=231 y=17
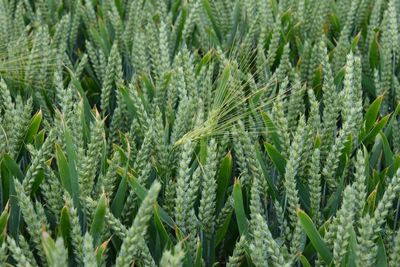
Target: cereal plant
x=199 y=133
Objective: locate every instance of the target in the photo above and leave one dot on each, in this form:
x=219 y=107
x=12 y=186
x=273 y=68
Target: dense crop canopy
x=199 y=133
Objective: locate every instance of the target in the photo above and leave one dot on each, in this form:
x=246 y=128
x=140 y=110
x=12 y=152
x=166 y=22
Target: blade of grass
x=239 y=208
x=315 y=237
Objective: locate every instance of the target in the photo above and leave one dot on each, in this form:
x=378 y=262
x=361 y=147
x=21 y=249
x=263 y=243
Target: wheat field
x=199 y=133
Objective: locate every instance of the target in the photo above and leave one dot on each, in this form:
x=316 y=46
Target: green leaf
x=3 y=223
x=354 y=42
x=375 y=151
x=128 y=100
x=309 y=250
x=387 y=152
x=317 y=141
x=381 y=258
x=33 y=127
x=374 y=52
x=119 y=199
x=377 y=148
x=4 y=184
x=141 y=192
x=65 y=227
x=368 y=84
x=63 y=169
x=375 y=130
x=100 y=252
x=149 y=85
x=180 y=26
x=97 y=227
x=225 y=172
x=38 y=180
x=165 y=238
x=48 y=246
x=4 y=218
x=272 y=130
x=277 y=159
x=388 y=130
x=372 y=113
x=78 y=86
x=214 y=24
x=236 y=14
x=395 y=166
x=204 y=61
x=221 y=232
x=339 y=76
x=304 y=261
x=315 y=237
x=199 y=252
x=71 y=164
x=39 y=139
x=271 y=186
x=352 y=255
x=344 y=158
x=8 y=189
x=13 y=167
x=239 y=208
x=317 y=77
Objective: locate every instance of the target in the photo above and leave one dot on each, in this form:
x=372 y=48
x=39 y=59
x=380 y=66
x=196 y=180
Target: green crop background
x=199 y=133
